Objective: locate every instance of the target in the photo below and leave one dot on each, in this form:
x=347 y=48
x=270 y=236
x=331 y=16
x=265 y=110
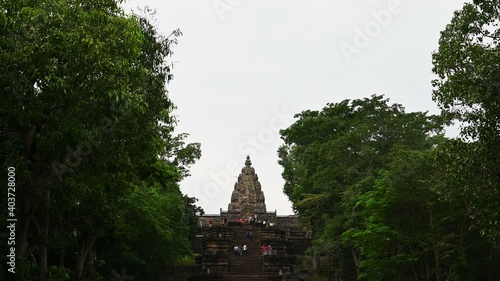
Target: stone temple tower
x=247 y=197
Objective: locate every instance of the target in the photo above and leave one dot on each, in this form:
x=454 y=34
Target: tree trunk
x=85 y=249
x=22 y=234
x=329 y=275
x=357 y=259
x=315 y=266
x=435 y=246
x=24 y=221
x=61 y=257
x=80 y=262
x=415 y=273
x=25 y=204
x=44 y=235
x=438 y=265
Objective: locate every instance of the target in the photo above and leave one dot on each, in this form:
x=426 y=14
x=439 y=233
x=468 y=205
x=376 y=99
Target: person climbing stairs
x=249 y=266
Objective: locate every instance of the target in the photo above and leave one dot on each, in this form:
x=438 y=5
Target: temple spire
x=248 y=163
x=247 y=197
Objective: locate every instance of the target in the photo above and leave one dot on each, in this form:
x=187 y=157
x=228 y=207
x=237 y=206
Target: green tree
x=192 y=213
x=410 y=232
x=374 y=183
x=467 y=65
x=86 y=121
x=332 y=157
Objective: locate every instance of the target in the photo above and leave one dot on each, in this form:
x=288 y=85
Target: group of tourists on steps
x=242 y=251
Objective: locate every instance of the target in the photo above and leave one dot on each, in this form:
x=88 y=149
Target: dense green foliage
x=468 y=86
x=372 y=182
x=87 y=124
x=386 y=195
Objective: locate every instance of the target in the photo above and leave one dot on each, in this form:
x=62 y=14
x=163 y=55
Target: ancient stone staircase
x=217 y=262
x=246 y=267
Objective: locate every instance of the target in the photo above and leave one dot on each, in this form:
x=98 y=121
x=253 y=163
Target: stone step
x=246 y=265
x=245 y=277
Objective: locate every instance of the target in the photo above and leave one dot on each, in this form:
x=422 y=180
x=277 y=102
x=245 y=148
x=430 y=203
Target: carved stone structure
x=247 y=197
x=215 y=242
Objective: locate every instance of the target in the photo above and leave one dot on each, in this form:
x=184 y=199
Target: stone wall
x=287 y=221
x=279 y=221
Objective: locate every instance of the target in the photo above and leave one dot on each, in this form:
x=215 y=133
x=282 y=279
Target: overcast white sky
x=244 y=68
